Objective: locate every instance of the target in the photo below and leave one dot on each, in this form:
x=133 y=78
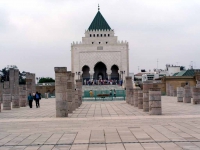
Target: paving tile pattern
x=101 y=126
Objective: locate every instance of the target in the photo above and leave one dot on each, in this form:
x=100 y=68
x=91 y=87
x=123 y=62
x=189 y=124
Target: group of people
x=36 y=96
x=112 y=93
x=103 y=82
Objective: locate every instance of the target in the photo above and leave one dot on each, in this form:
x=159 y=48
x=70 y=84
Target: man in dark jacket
x=37 y=99
x=30 y=100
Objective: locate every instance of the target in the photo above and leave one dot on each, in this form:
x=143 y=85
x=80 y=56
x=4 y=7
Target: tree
x=5 y=75
x=22 y=77
x=46 y=80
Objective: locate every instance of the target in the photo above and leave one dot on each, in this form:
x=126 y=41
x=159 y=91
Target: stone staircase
x=101 y=87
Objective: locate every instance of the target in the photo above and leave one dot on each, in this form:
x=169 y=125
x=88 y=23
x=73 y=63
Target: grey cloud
x=38 y=36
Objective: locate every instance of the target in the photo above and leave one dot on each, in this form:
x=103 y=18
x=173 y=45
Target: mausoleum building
x=100 y=55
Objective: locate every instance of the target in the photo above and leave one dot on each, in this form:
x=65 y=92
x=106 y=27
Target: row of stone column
x=68 y=97
x=11 y=93
x=148 y=99
x=185 y=94
x=15 y=101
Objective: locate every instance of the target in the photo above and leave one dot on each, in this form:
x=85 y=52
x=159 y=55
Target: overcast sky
x=36 y=35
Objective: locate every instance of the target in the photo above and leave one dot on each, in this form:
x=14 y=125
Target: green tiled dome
x=99 y=23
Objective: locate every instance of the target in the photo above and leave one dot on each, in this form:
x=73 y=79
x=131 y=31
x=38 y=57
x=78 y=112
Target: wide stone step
x=101 y=87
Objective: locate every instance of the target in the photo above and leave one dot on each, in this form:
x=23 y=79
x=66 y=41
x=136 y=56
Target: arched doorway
x=86 y=74
x=100 y=71
x=114 y=74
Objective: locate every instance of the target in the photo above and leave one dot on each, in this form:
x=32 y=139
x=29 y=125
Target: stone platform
x=101 y=126
x=101 y=87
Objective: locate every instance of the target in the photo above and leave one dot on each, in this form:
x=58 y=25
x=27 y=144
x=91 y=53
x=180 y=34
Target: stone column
x=91 y=75
x=28 y=87
x=79 y=89
x=60 y=91
x=175 y=92
x=180 y=94
x=76 y=95
x=109 y=75
x=15 y=95
x=6 y=96
x=73 y=92
x=6 y=87
x=196 y=95
x=198 y=84
x=140 y=99
x=0 y=106
x=1 y=91
x=76 y=99
x=129 y=89
x=22 y=96
x=135 y=95
x=119 y=75
x=146 y=86
x=33 y=83
x=155 y=101
x=197 y=77
x=46 y=95
x=131 y=96
x=6 y=101
x=167 y=89
x=69 y=91
x=11 y=79
x=187 y=94
x=191 y=91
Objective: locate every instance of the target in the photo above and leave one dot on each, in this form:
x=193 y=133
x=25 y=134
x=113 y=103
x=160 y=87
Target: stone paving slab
x=101 y=126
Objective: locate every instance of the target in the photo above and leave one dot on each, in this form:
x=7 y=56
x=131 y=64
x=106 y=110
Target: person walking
x=114 y=93
x=91 y=93
x=30 y=100
x=37 y=99
x=110 y=93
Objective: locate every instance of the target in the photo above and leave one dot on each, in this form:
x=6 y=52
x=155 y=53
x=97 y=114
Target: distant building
x=151 y=76
x=172 y=69
x=100 y=55
x=189 y=72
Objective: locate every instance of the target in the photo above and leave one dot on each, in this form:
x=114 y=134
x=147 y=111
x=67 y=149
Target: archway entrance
x=100 y=71
x=114 y=74
x=86 y=74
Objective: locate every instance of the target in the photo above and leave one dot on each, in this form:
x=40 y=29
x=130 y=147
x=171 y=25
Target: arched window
x=115 y=74
x=86 y=74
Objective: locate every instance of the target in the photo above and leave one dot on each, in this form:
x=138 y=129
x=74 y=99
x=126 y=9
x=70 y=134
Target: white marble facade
x=100 y=45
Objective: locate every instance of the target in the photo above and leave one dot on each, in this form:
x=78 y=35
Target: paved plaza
x=108 y=125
